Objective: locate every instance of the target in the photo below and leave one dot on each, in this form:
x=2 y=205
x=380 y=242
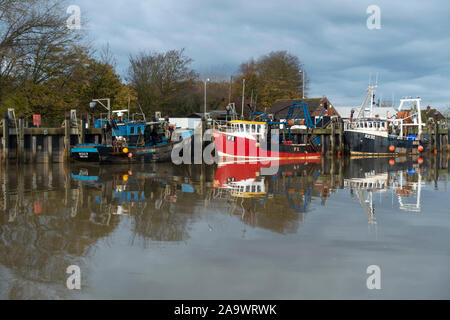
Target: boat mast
x=419 y=112
x=369 y=96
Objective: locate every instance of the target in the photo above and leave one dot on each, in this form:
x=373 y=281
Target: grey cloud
x=410 y=51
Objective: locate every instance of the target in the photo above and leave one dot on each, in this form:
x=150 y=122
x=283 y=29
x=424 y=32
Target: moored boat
x=261 y=140
x=130 y=141
x=399 y=135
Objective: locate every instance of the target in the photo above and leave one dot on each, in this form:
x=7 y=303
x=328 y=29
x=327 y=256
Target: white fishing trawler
x=400 y=134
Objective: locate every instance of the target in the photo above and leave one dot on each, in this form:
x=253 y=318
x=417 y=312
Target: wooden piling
x=332 y=139
x=67 y=137
x=436 y=136
x=341 y=139
x=33 y=149
x=20 y=140
x=341 y=173
x=49 y=149
x=83 y=129
x=5 y=139
x=446 y=143
x=322 y=142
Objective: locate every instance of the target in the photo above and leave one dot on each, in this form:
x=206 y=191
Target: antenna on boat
x=369 y=97
x=143 y=114
x=229 y=94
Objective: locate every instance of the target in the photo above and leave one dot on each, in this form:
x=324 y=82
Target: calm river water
x=229 y=232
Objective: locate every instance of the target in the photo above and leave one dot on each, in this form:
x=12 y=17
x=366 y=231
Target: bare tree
x=107 y=57
x=32 y=34
x=162 y=80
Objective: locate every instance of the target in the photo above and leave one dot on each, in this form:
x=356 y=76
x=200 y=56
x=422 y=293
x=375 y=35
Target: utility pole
x=229 y=95
x=204 y=114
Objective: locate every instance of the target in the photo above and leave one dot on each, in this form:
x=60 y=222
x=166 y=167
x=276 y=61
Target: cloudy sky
x=410 y=51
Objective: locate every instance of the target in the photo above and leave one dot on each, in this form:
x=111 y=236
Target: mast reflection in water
x=187 y=232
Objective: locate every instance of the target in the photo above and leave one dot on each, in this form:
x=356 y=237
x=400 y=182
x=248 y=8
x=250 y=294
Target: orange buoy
x=391 y=148
x=420 y=148
x=130 y=155
x=420 y=160
x=391 y=162
x=435 y=151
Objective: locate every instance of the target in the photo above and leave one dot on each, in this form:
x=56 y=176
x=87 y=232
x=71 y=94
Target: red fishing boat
x=262 y=141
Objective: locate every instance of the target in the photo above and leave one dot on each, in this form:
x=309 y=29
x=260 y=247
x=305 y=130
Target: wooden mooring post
x=49 y=149
x=436 y=137
x=5 y=138
x=67 y=137
x=332 y=139
x=33 y=149
x=341 y=139
x=83 y=129
x=21 y=140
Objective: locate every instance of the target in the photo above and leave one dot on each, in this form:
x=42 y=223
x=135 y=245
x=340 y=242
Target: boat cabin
x=369 y=125
x=129 y=129
x=247 y=188
x=248 y=127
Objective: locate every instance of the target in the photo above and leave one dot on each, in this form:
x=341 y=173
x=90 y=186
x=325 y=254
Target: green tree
x=76 y=78
x=271 y=77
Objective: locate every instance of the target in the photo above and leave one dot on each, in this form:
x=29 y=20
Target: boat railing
x=366 y=124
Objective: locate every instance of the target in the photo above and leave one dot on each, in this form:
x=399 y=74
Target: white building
x=378 y=112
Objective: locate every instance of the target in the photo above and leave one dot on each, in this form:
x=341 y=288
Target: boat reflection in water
x=147 y=193
x=276 y=202
x=401 y=180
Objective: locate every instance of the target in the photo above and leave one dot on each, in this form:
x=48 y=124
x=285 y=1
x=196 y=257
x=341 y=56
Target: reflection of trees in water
x=165 y=217
x=37 y=247
x=274 y=216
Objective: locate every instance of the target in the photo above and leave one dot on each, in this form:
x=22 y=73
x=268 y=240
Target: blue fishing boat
x=115 y=132
x=129 y=141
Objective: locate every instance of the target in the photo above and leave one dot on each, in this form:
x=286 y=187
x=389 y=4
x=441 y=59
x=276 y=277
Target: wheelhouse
x=248 y=127
x=374 y=125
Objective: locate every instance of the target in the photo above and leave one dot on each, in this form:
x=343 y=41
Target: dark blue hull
x=85 y=153
x=365 y=143
x=109 y=154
